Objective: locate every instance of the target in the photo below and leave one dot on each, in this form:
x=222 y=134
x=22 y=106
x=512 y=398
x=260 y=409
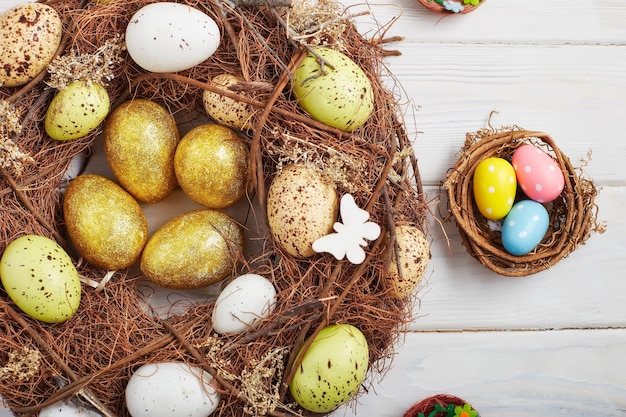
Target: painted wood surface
x=553 y=344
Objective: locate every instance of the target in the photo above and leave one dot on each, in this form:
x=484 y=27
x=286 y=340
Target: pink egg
x=538 y=175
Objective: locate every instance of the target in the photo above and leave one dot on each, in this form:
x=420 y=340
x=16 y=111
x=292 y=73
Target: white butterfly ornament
x=351 y=234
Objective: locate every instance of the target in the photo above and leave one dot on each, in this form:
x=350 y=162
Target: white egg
x=171 y=37
x=171 y=389
x=66 y=409
x=243 y=303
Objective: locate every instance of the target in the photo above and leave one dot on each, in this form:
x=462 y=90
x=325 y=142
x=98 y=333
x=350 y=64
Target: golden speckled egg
x=76 y=110
x=338 y=94
x=211 y=165
x=104 y=222
x=225 y=110
x=494 y=186
x=140 y=139
x=38 y=275
x=301 y=208
x=193 y=250
x=413 y=257
x=30 y=34
x=332 y=368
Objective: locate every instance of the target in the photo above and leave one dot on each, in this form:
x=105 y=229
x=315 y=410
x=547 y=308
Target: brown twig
x=29 y=206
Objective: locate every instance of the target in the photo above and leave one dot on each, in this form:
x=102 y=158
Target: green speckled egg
x=140 y=139
x=76 y=110
x=193 y=250
x=338 y=94
x=104 y=222
x=30 y=35
x=332 y=369
x=40 y=278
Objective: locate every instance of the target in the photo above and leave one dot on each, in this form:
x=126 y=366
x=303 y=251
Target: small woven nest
x=445 y=6
x=572 y=214
x=91 y=356
x=428 y=407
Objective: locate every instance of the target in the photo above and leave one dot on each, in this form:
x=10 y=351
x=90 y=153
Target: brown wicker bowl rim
x=576 y=203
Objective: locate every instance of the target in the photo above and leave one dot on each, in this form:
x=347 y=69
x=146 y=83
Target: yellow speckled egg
x=301 y=208
x=140 y=139
x=339 y=93
x=76 y=110
x=332 y=368
x=40 y=278
x=413 y=256
x=104 y=222
x=494 y=185
x=225 y=110
x=29 y=37
x=193 y=250
x=211 y=165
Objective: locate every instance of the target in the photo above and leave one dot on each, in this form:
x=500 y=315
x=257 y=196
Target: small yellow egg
x=193 y=250
x=40 y=278
x=211 y=165
x=225 y=110
x=494 y=186
x=104 y=222
x=30 y=35
x=140 y=139
x=301 y=208
x=76 y=110
x=413 y=256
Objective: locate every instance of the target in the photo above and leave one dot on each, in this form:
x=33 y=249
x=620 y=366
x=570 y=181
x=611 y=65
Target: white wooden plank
x=520 y=374
x=530 y=21
x=7 y=4
x=584 y=290
x=574 y=93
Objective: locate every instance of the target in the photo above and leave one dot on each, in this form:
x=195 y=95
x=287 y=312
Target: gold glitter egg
x=211 y=165
x=104 y=222
x=140 y=139
x=193 y=250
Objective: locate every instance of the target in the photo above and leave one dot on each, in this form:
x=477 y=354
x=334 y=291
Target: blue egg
x=524 y=227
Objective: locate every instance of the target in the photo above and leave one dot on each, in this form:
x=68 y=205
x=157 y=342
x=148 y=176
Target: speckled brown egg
x=225 y=110
x=193 y=250
x=211 y=165
x=140 y=139
x=413 y=257
x=301 y=208
x=30 y=34
x=104 y=222
x=334 y=90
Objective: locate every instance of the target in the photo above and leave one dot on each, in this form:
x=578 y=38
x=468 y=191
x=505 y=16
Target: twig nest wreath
x=268 y=288
x=519 y=203
x=441 y=405
x=451 y=6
